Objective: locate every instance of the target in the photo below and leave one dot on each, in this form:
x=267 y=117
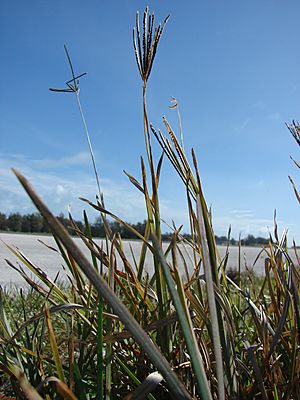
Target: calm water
x=51 y=262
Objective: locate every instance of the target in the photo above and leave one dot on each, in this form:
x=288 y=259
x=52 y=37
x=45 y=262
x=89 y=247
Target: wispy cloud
x=241 y=214
x=296 y=87
x=243 y=125
x=245 y=222
x=60 y=192
x=259 y=105
x=276 y=116
x=80 y=159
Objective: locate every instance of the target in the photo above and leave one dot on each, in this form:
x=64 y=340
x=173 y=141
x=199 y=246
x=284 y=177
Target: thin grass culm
x=73 y=87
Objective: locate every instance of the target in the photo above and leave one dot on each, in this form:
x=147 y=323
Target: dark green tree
x=14 y=222
x=3 y=222
x=36 y=222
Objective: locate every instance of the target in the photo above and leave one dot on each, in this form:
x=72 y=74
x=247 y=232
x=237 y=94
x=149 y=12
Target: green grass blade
x=186 y=325
x=211 y=301
x=174 y=384
x=54 y=347
x=259 y=378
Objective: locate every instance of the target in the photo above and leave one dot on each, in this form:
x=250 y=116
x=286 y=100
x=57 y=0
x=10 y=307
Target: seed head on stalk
x=145 y=43
x=72 y=86
x=145 y=46
x=294 y=128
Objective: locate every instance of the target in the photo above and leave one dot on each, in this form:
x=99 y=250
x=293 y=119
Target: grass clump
x=116 y=332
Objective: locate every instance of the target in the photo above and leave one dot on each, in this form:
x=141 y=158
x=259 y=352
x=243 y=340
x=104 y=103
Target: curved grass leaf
x=146 y=387
x=175 y=385
x=142 y=391
x=61 y=388
x=28 y=390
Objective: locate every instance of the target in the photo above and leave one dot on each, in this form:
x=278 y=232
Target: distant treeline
x=35 y=223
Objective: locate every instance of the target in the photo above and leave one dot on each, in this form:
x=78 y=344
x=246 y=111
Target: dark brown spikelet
x=145 y=43
x=294 y=128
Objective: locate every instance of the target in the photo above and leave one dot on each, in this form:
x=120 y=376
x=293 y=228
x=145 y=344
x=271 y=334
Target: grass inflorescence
x=116 y=332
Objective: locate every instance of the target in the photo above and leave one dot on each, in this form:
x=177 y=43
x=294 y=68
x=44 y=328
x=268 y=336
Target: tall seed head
x=145 y=43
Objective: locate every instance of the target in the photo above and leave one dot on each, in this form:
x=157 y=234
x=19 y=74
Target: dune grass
x=115 y=332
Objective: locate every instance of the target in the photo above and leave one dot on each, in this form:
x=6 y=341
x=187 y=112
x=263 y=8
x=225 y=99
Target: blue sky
x=233 y=66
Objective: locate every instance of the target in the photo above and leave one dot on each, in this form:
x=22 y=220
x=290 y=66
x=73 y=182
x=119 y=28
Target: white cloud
x=245 y=223
x=241 y=213
x=80 y=159
x=60 y=189
x=59 y=192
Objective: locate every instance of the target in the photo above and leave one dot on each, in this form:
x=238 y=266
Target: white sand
x=51 y=262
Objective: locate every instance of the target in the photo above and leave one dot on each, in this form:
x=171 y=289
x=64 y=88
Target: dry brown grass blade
x=134 y=181
x=166 y=146
x=294 y=128
x=152 y=327
x=295 y=162
x=295 y=190
x=38 y=288
x=28 y=390
x=62 y=389
x=106 y=212
x=177 y=146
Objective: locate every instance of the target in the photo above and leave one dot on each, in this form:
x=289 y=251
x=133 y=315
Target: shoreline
x=46 y=234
